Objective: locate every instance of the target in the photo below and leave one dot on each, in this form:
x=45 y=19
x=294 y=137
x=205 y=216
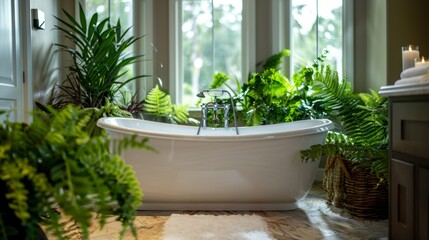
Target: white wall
x=370 y=55
x=407 y=23
x=45 y=62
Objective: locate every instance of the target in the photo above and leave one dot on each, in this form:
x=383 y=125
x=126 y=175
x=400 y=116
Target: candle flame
x=409 y=48
x=423 y=59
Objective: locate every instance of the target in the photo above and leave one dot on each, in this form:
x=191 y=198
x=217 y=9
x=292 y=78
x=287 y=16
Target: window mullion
x=348 y=43
x=175 y=45
x=213 y=37
x=248 y=38
x=280 y=28
x=143 y=26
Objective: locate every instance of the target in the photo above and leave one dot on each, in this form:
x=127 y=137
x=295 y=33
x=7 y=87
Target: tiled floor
x=312 y=220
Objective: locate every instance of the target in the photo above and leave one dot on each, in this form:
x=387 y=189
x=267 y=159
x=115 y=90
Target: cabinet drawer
x=410 y=128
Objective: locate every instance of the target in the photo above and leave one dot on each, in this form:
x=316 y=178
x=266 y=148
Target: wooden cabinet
x=423 y=203
x=401 y=215
x=409 y=162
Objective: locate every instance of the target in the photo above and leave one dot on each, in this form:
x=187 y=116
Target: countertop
x=404 y=90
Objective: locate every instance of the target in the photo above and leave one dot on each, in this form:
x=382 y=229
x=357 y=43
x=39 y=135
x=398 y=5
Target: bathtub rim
x=323 y=126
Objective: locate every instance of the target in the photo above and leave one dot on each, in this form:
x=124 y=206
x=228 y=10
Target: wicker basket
x=333 y=182
x=354 y=190
x=364 y=199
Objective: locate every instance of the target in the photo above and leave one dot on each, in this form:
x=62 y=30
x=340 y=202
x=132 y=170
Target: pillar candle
x=422 y=62
x=409 y=54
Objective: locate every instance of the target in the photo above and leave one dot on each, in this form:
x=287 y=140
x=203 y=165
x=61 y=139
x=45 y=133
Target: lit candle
x=409 y=54
x=421 y=62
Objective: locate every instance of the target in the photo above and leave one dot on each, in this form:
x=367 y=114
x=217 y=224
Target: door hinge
x=23 y=77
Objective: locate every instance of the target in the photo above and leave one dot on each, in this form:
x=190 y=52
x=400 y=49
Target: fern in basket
x=361 y=117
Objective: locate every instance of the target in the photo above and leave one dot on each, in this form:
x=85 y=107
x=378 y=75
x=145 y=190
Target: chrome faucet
x=215 y=108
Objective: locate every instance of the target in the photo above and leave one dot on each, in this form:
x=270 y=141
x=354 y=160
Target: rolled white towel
x=414 y=80
x=414 y=71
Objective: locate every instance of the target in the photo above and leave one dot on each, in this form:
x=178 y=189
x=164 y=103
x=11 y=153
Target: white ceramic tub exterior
x=259 y=169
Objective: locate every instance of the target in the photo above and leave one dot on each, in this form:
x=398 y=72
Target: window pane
x=316 y=25
x=97 y=6
x=304 y=33
x=211 y=42
x=115 y=9
x=331 y=32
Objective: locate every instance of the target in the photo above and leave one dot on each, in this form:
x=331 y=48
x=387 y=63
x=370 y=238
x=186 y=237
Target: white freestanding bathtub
x=259 y=169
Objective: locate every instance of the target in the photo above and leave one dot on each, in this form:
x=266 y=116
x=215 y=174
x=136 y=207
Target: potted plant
x=357 y=153
x=54 y=165
x=101 y=56
x=99 y=74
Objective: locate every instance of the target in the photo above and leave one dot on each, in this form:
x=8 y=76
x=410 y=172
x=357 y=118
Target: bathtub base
x=218 y=206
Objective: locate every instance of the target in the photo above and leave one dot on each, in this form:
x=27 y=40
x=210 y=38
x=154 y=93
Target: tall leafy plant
x=100 y=59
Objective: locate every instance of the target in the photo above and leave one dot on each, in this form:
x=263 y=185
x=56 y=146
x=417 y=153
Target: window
x=317 y=25
x=210 y=41
x=115 y=9
x=187 y=41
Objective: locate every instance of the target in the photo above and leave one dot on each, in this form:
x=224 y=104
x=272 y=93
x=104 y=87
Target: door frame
x=27 y=70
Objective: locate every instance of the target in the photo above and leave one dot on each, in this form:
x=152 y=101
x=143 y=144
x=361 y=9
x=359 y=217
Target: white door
x=11 y=73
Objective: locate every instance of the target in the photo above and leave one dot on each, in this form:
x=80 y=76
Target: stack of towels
x=414 y=75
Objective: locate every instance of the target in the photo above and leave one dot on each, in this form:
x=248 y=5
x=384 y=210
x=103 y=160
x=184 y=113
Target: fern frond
x=158 y=102
x=180 y=113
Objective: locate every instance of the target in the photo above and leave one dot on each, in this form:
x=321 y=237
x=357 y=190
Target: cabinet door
x=423 y=201
x=410 y=127
x=401 y=200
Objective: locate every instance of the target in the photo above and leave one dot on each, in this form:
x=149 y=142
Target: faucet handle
x=215 y=113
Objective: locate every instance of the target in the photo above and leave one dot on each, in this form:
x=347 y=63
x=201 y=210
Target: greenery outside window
x=317 y=25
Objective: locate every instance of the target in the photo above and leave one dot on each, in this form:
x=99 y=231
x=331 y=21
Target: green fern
x=362 y=117
x=180 y=113
x=158 y=102
x=54 y=161
x=335 y=144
